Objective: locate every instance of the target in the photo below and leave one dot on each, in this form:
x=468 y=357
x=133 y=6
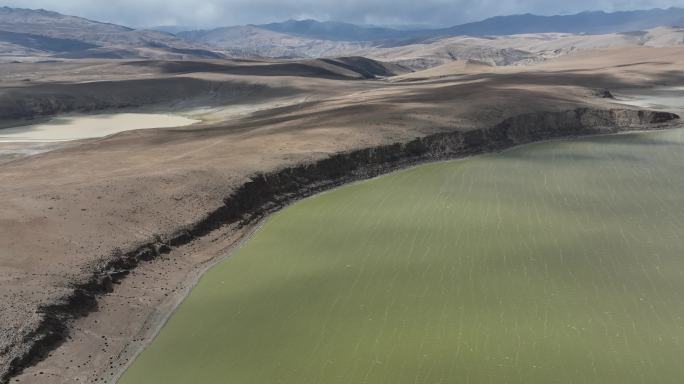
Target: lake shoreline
x=176 y=301
x=252 y=229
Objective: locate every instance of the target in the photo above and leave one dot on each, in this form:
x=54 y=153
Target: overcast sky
x=205 y=13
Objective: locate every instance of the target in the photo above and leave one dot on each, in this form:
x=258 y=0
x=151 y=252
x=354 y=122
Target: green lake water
x=558 y=262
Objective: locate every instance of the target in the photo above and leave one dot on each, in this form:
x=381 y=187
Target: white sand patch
x=663 y=98
x=67 y=128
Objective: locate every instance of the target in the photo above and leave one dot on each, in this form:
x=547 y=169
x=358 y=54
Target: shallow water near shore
x=557 y=262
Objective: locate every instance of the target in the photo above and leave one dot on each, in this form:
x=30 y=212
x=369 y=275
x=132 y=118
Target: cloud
x=140 y=13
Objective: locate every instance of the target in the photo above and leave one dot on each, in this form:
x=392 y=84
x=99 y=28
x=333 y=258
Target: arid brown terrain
x=100 y=240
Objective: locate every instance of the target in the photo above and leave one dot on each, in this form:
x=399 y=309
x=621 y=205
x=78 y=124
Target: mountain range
x=25 y=32
x=503 y=40
x=582 y=23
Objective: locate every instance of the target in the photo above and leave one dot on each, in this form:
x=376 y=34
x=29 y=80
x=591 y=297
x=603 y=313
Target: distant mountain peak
x=591 y=22
x=46 y=33
x=25 y=16
x=333 y=30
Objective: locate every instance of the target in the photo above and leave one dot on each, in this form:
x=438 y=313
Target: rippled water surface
x=559 y=262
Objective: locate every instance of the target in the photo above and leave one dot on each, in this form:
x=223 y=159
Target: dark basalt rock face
x=267 y=193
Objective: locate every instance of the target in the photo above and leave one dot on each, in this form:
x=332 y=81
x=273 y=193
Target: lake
x=556 y=262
